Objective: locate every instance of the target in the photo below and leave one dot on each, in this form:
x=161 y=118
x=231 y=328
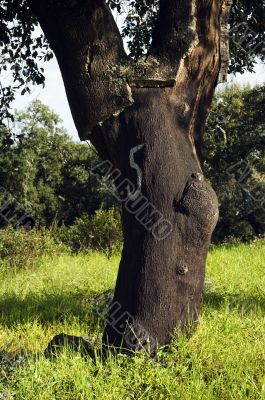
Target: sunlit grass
x=224 y=359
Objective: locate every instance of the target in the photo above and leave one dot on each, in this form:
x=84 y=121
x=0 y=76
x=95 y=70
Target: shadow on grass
x=248 y=302
x=54 y=307
x=47 y=308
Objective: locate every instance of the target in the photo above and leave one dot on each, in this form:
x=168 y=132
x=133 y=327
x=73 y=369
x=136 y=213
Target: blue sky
x=54 y=94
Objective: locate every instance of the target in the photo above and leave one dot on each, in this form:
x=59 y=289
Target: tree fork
x=160 y=106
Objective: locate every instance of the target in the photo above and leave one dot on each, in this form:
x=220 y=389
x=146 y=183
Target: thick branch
x=224 y=39
x=175 y=30
x=89 y=50
x=190 y=35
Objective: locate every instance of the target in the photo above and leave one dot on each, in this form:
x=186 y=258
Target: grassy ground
x=225 y=359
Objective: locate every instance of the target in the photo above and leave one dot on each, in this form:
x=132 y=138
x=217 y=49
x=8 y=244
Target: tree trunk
x=161 y=275
x=148 y=120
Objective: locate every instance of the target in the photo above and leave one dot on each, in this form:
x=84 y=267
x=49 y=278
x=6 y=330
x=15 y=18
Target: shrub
x=102 y=231
x=21 y=248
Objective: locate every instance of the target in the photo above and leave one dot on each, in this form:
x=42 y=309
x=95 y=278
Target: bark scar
x=134 y=165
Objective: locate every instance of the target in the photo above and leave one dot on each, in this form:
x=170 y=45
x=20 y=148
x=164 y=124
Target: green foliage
x=46 y=172
x=139 y=20
x=21 y=51
x=234 y=150
x=224 y=359
x=20 y=248
x=101 y=231
x=49 y=175
x=247 y=36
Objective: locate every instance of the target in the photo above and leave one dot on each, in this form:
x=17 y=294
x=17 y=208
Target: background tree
x=48 y=173
x=160 y=103
x=235 y=160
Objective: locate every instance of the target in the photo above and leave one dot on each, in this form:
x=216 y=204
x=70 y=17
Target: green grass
x=224 y=359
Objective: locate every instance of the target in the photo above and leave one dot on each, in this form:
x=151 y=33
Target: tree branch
x=89 y=50
x=224 y=45
x=175 y=30
x=191 y=36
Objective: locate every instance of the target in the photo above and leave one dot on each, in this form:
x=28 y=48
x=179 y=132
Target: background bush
x=102 y=231
x=20 y=248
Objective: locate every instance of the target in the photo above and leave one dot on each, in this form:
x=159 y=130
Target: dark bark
x=89 y=50
x=160 y=282
x=163 y=111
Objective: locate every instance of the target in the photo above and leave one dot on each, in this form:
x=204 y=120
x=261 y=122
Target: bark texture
x=159 y=108
x=160 y=282
x=89 y=50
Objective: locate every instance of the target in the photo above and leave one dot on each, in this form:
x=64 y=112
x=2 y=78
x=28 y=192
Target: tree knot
x=182 y=269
